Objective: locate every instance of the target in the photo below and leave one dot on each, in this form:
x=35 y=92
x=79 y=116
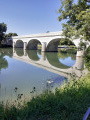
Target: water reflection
x=59 y=63
x=19 y=52
x=54 y=60
x=3 y=62
x=6 y=52
x=33 y=55
x=43 y=71
x=58 y=60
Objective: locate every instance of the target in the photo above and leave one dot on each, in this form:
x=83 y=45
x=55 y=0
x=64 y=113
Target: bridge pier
x=14 y=50
x=13 y=47
x=13 y=44
x=43 y=58
x=80 y=53
x=43 y=46
x=79 y=62
x=25 y=45
x=25 y=52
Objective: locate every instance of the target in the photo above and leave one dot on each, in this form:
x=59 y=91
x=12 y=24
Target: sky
x=30 y=16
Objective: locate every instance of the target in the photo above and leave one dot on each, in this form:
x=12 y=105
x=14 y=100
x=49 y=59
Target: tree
x=84 y=18
x=77 y=16
x=11 y=34
x=3 y=29
x=66 y=42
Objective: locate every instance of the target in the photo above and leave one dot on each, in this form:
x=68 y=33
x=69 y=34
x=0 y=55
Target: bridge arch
x=32 y=44
x=53 y=44
x=19 y=44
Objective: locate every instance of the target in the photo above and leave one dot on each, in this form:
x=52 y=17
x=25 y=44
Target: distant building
x=8 y=41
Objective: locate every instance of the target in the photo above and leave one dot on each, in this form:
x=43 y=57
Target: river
x=29 y=73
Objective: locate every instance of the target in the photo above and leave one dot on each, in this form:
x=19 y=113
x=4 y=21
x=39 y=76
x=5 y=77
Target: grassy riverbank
x=70 y=102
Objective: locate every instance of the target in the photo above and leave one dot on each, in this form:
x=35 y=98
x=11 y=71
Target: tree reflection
x=32 y=54
x=3 y=62
x=54 y=61
x=6 y=52
x=65 y=55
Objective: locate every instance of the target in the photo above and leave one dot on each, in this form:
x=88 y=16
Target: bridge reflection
x=48 y=61
x=32 y=54
x=51 y=62
x=54 y=61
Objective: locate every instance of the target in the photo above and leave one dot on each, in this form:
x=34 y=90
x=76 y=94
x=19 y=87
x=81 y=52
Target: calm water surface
x=31 y=70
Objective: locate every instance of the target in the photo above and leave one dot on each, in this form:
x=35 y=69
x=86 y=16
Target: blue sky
x=30 y=16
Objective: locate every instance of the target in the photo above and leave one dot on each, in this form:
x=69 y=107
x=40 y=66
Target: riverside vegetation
x=70 y=102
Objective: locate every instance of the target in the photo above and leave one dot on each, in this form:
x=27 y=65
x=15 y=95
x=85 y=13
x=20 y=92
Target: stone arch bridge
x=48 y=41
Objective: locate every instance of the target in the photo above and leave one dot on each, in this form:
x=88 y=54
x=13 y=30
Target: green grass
x=70 y=102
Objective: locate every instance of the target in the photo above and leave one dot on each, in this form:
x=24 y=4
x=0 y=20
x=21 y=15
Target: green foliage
x=11 y=34
x=82 y=44
x=70 y=102
x=78 y=18
x=3 y=28
x=84 y=18
x=69 y=51
x=63 y=50
x=66 y=42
